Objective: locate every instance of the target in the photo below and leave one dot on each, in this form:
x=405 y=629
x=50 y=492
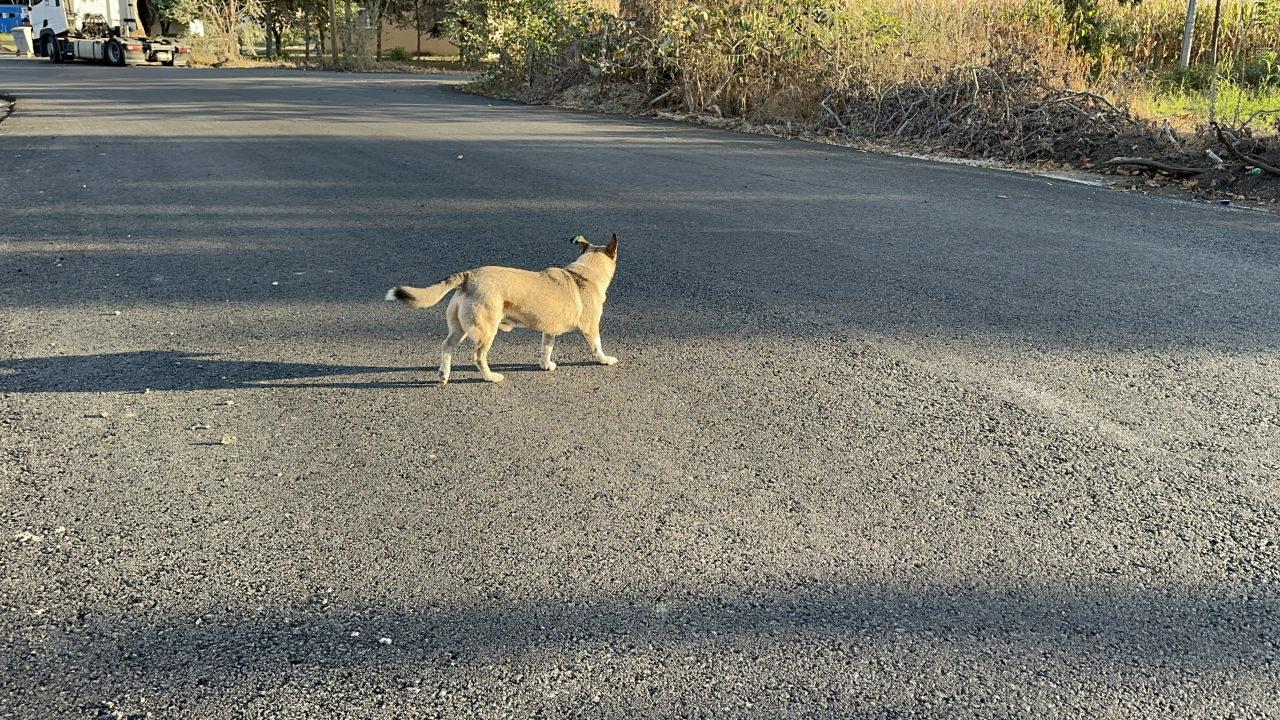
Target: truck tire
x=113 y=53
x=52 y=48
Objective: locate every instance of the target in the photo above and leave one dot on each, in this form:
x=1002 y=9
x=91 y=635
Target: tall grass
x=786 y=58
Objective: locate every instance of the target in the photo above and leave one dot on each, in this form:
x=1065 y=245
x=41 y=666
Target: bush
x=398 y=54
x=525 y=39
x=879 y=67
x=211 y=48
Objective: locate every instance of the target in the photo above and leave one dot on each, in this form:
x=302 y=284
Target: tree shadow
x=723 y=233
x=1111 y=640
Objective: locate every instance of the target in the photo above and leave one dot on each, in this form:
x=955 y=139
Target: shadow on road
x=175 y=370
x=379 y=180
x=701 y=256
x=1115 y=637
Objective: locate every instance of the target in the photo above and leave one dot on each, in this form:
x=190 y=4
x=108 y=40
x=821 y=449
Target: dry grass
x=768 y=60
x=1066 y=81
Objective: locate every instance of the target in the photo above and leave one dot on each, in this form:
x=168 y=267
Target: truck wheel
x=52 y=48
x=114 y=53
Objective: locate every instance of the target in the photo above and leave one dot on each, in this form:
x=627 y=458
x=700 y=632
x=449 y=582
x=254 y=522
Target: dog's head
x=610 y=251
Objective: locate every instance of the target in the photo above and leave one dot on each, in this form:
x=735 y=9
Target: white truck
x=105 y=31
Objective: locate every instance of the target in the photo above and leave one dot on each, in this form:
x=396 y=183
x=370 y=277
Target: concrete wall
x=407 y=38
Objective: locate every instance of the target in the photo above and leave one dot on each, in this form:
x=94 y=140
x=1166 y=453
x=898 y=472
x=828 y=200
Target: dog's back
x=548 y=301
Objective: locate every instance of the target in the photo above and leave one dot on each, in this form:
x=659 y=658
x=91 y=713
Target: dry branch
x=1153 y=164
x=1226 y=138
x=1009 y=110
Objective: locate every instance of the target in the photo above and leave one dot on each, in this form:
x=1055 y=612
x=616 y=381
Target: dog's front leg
x=548 y=344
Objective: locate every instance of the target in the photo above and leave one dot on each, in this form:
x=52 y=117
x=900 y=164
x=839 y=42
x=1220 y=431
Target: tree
x=222 y=19
x=424 y=16
x=277 y=18
x=169 y=12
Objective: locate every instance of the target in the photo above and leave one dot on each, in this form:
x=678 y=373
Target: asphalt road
x=887 y=439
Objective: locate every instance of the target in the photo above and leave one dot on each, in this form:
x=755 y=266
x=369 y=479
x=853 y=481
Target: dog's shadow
x=472 y=373
x=147 y=370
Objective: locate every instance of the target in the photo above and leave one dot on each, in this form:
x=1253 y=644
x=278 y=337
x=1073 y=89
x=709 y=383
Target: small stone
x=228 y=402
x=355 y=633
x=384 y=641
x=228 y=440
x=275 y=282
x=117 y=312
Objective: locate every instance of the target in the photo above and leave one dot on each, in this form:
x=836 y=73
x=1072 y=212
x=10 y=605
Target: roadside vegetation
x=328 y=34
x=1068 y=82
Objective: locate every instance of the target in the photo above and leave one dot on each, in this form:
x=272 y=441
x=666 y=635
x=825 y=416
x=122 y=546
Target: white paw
x=495 y=377
x=607 y=360
x=548 y=365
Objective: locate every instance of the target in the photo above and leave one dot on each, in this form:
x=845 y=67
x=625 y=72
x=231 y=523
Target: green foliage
x=526 y=39
x=176 y=11
x=1195 y=79
x=1263 y=71
x=398 y=54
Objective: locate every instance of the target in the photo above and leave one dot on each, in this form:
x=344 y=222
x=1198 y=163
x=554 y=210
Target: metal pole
x=1184 y=60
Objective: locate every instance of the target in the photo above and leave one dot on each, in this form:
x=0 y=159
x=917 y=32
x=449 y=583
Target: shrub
x=525 y=39
x=398 y=54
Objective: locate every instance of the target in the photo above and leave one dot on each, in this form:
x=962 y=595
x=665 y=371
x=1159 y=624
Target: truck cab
x=104 y=31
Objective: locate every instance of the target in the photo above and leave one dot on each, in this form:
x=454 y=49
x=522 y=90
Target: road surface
x=887 y=439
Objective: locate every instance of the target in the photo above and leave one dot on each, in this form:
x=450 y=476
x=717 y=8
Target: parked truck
x=105 y=31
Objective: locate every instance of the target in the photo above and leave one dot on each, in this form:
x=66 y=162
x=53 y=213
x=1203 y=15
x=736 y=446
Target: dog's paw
x=548 y=365
x=608 y=360
x=495 y=377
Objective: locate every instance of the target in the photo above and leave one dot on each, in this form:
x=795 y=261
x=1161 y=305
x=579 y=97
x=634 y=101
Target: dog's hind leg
x=548 y=344
x=483 y=329
x=483 y=343
x=456 y=335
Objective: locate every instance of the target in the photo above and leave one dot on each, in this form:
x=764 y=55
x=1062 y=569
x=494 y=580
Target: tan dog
x=554 y=301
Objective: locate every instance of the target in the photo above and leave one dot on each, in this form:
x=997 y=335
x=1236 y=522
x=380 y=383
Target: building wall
x=407 y=38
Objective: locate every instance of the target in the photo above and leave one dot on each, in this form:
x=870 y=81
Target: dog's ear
x=582 y=243
x=612 y=250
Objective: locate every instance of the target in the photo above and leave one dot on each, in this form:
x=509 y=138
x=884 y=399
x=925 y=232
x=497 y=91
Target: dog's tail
x=427 y=296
